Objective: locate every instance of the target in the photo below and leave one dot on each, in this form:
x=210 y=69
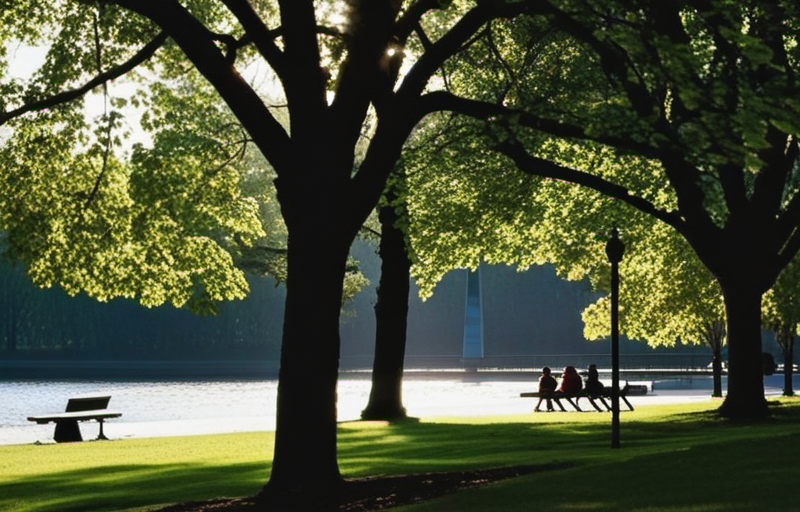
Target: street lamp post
x=614 y=250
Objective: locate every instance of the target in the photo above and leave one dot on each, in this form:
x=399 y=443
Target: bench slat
x=99 y=414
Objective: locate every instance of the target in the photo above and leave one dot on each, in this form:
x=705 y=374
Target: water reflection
x=161 y=408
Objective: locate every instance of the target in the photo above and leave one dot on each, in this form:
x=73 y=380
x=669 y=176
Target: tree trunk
x=788 y=363
x=391 y=318
x=745 y=398
x=305 y=472
x=714 y=336
x=716 y=365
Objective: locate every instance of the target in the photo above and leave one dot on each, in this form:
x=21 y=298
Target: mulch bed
x=379 y=493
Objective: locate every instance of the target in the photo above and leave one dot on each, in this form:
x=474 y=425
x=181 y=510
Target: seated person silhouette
x=571 y=382
x=547 y=385
x=593 y=385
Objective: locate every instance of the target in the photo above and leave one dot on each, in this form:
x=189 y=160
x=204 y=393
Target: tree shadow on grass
x=450 y=452
x=379 y=493
x=121 y=487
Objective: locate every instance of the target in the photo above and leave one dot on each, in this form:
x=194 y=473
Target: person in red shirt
x=571 y=382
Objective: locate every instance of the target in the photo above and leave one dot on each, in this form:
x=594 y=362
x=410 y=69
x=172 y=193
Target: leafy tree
x=707 y=92
x=328 y=65
x=667 y=295
x=782 y=315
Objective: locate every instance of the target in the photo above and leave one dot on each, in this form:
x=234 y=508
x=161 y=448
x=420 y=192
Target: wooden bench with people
x=574 y=398
x=572 y=389
x=83 y=408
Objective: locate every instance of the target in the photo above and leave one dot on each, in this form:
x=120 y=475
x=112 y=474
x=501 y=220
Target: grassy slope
x=676 y=458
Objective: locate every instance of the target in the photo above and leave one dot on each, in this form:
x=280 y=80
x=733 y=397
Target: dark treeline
x=47 y=323
x=525 y=313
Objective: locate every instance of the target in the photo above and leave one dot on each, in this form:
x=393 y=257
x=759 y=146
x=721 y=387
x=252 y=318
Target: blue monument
x=473 y=317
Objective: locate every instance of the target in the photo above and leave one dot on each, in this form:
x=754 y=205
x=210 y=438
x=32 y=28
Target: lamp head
x=614 y=247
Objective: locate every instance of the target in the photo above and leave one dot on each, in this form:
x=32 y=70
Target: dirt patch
x=379 y=493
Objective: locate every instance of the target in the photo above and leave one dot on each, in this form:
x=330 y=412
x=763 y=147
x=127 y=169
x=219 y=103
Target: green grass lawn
x=673 y=458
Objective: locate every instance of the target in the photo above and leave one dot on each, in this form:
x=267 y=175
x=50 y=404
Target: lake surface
x=165 y=408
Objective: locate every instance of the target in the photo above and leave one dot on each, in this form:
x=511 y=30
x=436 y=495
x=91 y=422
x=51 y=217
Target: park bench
x=574 y=398
x=83 y=408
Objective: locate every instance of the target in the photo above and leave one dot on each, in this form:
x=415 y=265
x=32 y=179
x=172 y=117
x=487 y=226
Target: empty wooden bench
x=574 y=398
x=82 y=408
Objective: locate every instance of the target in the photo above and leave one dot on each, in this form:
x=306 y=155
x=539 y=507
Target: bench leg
x=594 y=404
x=626 y=402
x=560 y=405
x=101 y=435
x=67 y=431
x=573 y=404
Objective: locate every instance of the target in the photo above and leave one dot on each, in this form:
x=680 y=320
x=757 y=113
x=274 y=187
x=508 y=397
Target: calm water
x=163 y=408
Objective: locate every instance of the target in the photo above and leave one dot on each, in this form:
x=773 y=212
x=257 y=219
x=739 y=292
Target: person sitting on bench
x=593 y=385
x=547 y=385
x=571 y=382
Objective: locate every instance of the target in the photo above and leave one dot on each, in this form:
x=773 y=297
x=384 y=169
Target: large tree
x=328 y=65
x=707 y=91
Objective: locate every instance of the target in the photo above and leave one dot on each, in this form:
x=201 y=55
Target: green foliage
x=170 y=209
x=151 y=227
x=628 y=97
x=483 y=210
x=781 y=304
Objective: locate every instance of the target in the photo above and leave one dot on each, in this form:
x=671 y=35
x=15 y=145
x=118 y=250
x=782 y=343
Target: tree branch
x=439 y=101
x=142 y=55
x=199 y=47
x=535 y=166
x=789 y=249
x=394 y=127
x=368 y=72
x=410 y=20
x=449 y=44
x=304 y=80
x=788 y=221
x=614 y=62
x=770 y=182
x=259 y=34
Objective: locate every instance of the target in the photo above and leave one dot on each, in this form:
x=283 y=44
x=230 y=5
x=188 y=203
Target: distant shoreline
x=136 y=370
x=252 y=369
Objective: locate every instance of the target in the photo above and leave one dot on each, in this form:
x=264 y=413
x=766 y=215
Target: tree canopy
x=317 y=88
x=686 y=112
x=704 y=91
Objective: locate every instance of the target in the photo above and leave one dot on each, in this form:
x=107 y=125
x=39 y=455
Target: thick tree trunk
x=391 y=316
x=745 y=398
x=305 y=472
